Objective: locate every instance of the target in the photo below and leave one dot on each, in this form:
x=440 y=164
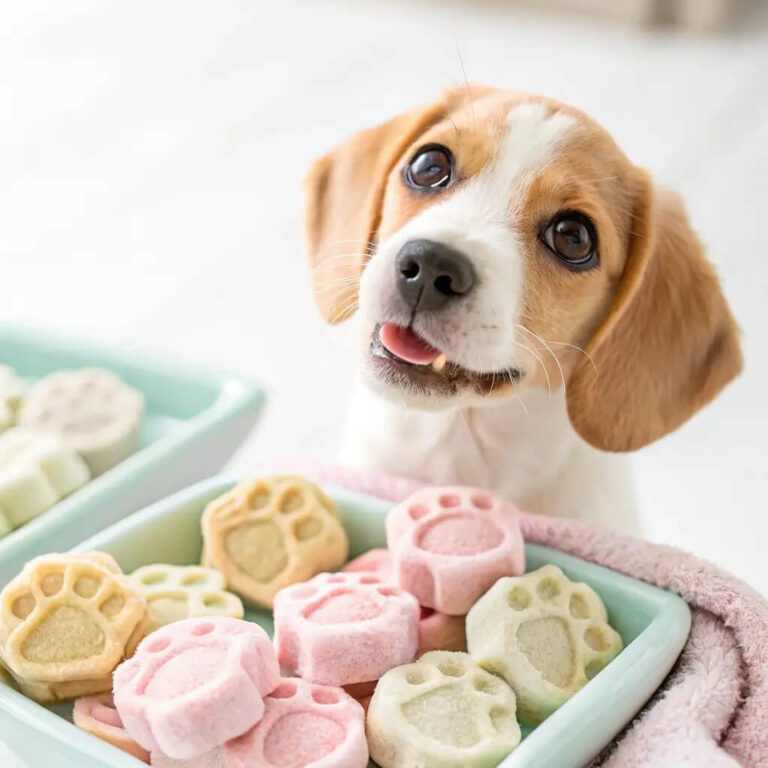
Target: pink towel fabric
x=712 y=711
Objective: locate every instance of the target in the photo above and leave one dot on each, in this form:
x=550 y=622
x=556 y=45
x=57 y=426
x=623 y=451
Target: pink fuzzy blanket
x=712 y=711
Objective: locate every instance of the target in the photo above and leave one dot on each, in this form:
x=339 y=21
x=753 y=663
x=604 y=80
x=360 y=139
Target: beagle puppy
x=531 y=305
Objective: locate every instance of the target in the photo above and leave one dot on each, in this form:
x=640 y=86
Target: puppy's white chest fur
x=524 y=449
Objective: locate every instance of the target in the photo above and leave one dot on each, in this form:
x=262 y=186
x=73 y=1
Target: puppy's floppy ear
x=669 y=343
x=344 y=193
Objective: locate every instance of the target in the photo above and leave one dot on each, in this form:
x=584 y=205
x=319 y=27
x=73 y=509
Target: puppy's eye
x=430 y=168
x=571 y=237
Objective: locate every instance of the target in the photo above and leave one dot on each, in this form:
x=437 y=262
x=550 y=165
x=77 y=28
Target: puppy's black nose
x=429 y=274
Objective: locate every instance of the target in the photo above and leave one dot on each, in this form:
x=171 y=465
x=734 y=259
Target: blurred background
x=151 y=156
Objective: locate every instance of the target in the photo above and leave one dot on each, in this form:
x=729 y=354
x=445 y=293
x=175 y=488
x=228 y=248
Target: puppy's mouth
x=404 y=359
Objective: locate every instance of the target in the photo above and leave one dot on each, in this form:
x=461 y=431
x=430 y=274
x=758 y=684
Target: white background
x=150 y=163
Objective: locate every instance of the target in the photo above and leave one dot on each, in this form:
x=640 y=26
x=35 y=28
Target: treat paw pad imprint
x=36 y=471
x=449 y=545
x=94 y=411
x=545 y=635
x=175 y=592
x=66 y=622
x=440 y=712
x=266 y=534
x=341 y=628
x=97 y=715
x=195 y=684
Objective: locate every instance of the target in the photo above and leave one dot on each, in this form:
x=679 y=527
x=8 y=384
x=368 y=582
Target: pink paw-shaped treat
x=450 y=545
x=437 y=631
x=97 y=715
x=341 y=628
x=304 y=726
x=194 y=684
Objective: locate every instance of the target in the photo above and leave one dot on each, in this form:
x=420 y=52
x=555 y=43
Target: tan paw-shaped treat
x=442 y=711
x=175 y=592
x=11 y=392
x=94 y=411
x=36 y=471
x=267 y=534
x=66 y=621
x=97 y=715
x=545 y=635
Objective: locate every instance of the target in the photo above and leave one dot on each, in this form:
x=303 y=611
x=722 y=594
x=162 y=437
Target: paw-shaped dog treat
x=194 y=684
x=11 y=391
x=266 y=534
x=437 y=631
x=94 y=411
x=36 y=471
x=449 y=545
x=66 y=621
x=341 y=628
x=175 y=592
x=442 y=711
x=97 y=715
x=304 y=726
x=545 y=635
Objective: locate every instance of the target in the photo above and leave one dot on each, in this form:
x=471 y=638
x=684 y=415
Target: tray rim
x=663 y=639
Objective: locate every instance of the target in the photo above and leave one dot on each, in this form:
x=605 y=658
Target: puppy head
x=495 y=240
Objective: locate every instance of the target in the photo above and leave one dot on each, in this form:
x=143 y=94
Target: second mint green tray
x=194 y=421
x=653 y=623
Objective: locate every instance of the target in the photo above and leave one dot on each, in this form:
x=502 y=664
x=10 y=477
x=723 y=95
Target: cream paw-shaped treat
x=442 y=711
x=97 y=715
x=545 y=635
x=94 y=412
x=176 y=592
x=66 y=621
x=36 y=471
x=437 y=631
x=265 y=534
x=450 y=544
x=303 y=726
x=11 y=392
x=341 y=628
x=195 y=684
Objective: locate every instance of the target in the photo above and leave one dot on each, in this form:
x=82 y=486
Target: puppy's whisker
x=549 y=349
x=336 y=284
x=541 y=363
x=578 y=349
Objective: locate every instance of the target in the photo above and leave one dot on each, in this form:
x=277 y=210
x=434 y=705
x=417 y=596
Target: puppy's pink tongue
x=407 y=344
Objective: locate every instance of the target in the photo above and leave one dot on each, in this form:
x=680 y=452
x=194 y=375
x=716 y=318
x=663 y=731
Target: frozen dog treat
x=195 y=684
x=341 y=628
x=266 y=534
x=66 y=621
x=36 y=471
x=11 y=391
x=97 y=715
x=437 y=631
x=545 y=635
x=94 y=411
x=449 y=545
x=303 y=726
x=175 y=592
x=442 y=711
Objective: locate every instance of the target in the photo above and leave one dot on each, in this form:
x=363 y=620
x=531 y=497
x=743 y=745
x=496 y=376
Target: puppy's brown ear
x=344 y=192
x=669 y=343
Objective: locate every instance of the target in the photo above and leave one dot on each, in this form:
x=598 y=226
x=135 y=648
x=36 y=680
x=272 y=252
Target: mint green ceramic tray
x=194 y=422
x=653 y=624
